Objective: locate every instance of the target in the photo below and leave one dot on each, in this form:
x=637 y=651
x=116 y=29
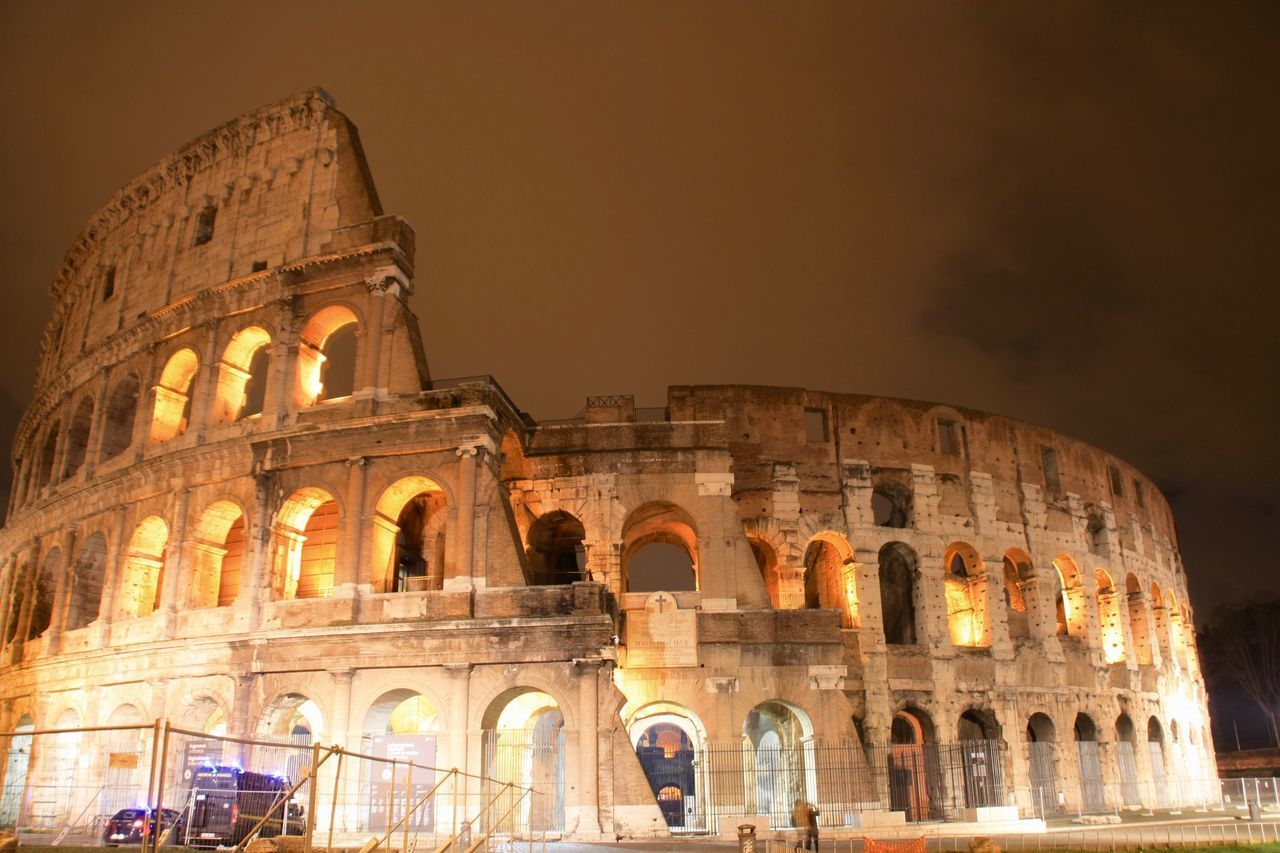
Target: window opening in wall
x=1097 y=535
x=204 y=225
x=1117 y=482
x=891 y=505
x=815 y=425
x=117 y=426
x=419 y=553
x=897 y=593
x=1138 y=495
x=659 y=550
x=78 y=437
x=1049 y=457
x=109 y=283
x=173 y=396
x=338 y=372
x=556 y=551
x=47 y=454
x=949 y=440
x=259 y=266
x=255 y=387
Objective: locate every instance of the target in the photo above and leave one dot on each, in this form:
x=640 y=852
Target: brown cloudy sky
x=1064 y=212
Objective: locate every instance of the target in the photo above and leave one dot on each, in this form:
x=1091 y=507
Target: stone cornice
x=233 y=139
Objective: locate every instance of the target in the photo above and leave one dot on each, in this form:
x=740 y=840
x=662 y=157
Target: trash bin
x=1255 y=810
x=746 y=838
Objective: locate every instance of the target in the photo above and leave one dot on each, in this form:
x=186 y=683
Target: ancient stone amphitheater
x=243 y=504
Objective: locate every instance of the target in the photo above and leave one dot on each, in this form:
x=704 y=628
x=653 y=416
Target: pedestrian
x=805 y=816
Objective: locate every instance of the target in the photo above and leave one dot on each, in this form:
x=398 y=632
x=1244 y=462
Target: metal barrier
x=203 y=790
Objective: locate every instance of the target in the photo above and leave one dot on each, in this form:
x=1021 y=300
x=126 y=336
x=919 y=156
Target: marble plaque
x=662 y=634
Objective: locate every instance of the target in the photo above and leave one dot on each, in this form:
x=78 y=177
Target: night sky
x=1062 y=212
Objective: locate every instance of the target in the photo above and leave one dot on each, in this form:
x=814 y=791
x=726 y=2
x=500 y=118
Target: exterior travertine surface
x=240 y=499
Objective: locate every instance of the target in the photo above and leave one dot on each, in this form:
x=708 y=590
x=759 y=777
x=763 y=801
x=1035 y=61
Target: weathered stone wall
x=171 y=552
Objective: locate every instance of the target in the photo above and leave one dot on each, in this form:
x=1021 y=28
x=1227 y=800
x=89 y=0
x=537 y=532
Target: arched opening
x=1017 y=572
x=1069 y=601
x=172 y=410
x=1155 y=757
x=401 y=724
x=141 y=579
x=1139 y=624
x=17 y=763
x=122 y=410
x=782 y=768
x=1041 y=751
x=978 y=739
x=556 y=553
x=913 y=766
x=666 y=754
x=1092 y=794
x=891 y=504
x=660 y=550
x=523 y=744
x=964 y=586
x=217 y=552
x=78 y=437
x=897 y=593
x=409 y=536
x=242 y=375
x=86 y=582
x=767 y=562
x=125 y=782
x=294 y=721
x=306 y=536
x=1126 y=763
x=327 y=355
x=42 y=603
x=48 y=452
x=831 y=577
x=204 y=714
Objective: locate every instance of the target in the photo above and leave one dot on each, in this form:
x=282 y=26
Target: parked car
x=130 y=826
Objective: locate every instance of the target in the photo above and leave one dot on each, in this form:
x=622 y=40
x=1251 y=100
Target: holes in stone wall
x=1049 y=460
x=950 y=437
x=108 y=283
x=815 y=425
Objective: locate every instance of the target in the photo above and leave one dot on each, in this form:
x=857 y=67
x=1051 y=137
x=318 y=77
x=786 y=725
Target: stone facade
x=238 y=490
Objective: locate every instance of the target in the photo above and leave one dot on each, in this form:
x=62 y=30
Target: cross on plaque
x=661 y=600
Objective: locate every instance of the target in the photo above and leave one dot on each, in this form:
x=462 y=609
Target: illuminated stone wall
x=235 y=438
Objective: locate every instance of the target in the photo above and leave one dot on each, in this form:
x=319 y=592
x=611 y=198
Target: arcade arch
x=523 y=744
x=327 y=355
x=143 y=571
x=659 y=550
x=555 y=549
x=172 y=410
x=217 y=552
x=409 y=536
x=242 y=376
x=897 y=593
x=831 y=577
x=964 y=586
x=1110 y=625
x=305 y=545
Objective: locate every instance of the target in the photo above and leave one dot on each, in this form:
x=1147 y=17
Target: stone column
x=249 y=599
x=340 y=730
x=27 y=601
x=93 y=453
x=207 y=380
x=379 y=284
x=61 y=592
x=996 y=631
x=111 y=575
x=240 y=725
x=171 y=578
x=588 y=747
x=459 y=721
x=149 y=378
x=349 y=572
x=464 y=574
x=7 y=596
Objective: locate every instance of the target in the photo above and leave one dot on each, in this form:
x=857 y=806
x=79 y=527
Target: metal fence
x=65 y=786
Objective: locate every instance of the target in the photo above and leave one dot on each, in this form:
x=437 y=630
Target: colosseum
x=242 y=504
